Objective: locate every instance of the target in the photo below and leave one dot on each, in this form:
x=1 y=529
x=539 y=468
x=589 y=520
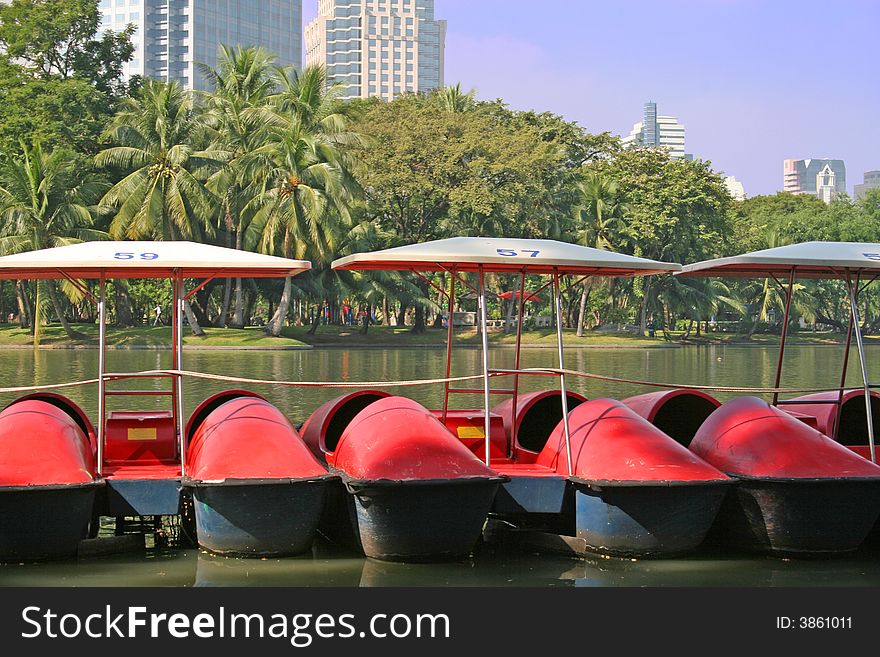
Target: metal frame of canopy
x=846 y=261
x=175 y=260
x=482 y=255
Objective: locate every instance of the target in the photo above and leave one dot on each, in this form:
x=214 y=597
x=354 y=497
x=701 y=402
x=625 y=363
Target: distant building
x=174 y=35
x=735 y=187
x=378 y=47
x=871 y=181
x=659 y=131
x=822 y=178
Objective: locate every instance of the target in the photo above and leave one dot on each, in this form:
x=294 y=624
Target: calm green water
x=717 y=365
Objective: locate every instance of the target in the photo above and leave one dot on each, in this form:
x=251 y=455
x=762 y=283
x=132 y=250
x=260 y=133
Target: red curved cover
x=40 y=444
x=610 y=442
x=72 y=409
x=749 y=437
x=649 y=404
x=825 y=414
x=248 y=438
x=398 y=439
x=315 y=428
x=203 y=410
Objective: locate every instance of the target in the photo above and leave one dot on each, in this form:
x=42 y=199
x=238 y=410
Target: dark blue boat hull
x=258 y=518
x=421 y=520
x=141 y=497
x=646 y=520
x=44 y=522
x=799 y=517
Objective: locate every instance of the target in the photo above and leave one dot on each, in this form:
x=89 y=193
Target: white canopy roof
x=808 y=259
x=146 y=260
x=500 y=254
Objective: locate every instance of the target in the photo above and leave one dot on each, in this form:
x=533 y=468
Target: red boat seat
x=140 y=436
x=470 y=428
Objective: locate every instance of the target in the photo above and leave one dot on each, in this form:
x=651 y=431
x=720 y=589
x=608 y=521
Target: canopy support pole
x=845 y=367
x=516 y=360
x=450 y=336
x=788 y=295
x=557 y=295
x=863 y=362
x=102 y=367
x=177 y=364
x=481 y=293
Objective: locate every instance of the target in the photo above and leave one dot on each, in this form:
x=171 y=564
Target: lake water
x=806 y=366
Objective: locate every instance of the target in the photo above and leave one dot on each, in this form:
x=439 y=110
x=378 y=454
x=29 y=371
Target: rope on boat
x=420 y=382
x=415 y=382
x=675 y=386
x=303 y=384
x=48 y=386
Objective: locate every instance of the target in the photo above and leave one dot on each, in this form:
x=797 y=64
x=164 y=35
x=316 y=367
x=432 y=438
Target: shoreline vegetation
x=382 y=337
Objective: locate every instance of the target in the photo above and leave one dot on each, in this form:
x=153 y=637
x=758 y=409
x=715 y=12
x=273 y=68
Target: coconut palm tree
x=454 y=100
x=242 y=81
x=160 y=139
x=766 y=295
x=597 y=212
x=305 y=175
x=46 y=200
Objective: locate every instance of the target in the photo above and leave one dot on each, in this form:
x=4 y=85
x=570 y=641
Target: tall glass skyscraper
x=378 y=47
x=174 y=35
x=659 y=131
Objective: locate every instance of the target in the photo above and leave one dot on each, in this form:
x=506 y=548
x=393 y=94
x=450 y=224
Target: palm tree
x=307 y=185
x=597 y=213
x=46 y=201
x=765 y=295
x=454 y=100
x=160 y=138
x=242 y=82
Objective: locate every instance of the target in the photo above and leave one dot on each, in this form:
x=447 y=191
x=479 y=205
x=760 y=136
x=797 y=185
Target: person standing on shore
x=158 y=317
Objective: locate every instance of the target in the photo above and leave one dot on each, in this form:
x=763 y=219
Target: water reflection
x=326 y=566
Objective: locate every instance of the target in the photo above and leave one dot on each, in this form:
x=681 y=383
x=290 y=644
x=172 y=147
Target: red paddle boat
x=257 y=489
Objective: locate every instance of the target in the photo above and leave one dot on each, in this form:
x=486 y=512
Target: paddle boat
x=597 y=476
x=256 y=487
x=801 y=491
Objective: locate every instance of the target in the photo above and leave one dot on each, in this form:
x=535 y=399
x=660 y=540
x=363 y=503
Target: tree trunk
x=56 y=304
x=191 y=318
x=585 y=295
x=386 y=318
x=643 y=310
x=124 y=312
x=316 y=321
x=23 y=304
x=224 y=307
x=419 y=322
x=275 y=324
x=366 y=320
x=401 y=315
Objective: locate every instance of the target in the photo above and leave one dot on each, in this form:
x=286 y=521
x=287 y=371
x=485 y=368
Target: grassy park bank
x=333 y=336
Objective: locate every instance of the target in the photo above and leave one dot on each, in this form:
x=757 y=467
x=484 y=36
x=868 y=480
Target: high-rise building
x=659 y=131
x=173 y=36
x=378 y=47
x=871 y=181
x=823 y=178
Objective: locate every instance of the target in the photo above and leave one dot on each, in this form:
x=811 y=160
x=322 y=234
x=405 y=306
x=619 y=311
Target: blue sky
x=753 y=81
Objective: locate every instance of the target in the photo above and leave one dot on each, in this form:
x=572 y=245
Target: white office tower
x=378 y=47
x=659 y=131
x=172 y=36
